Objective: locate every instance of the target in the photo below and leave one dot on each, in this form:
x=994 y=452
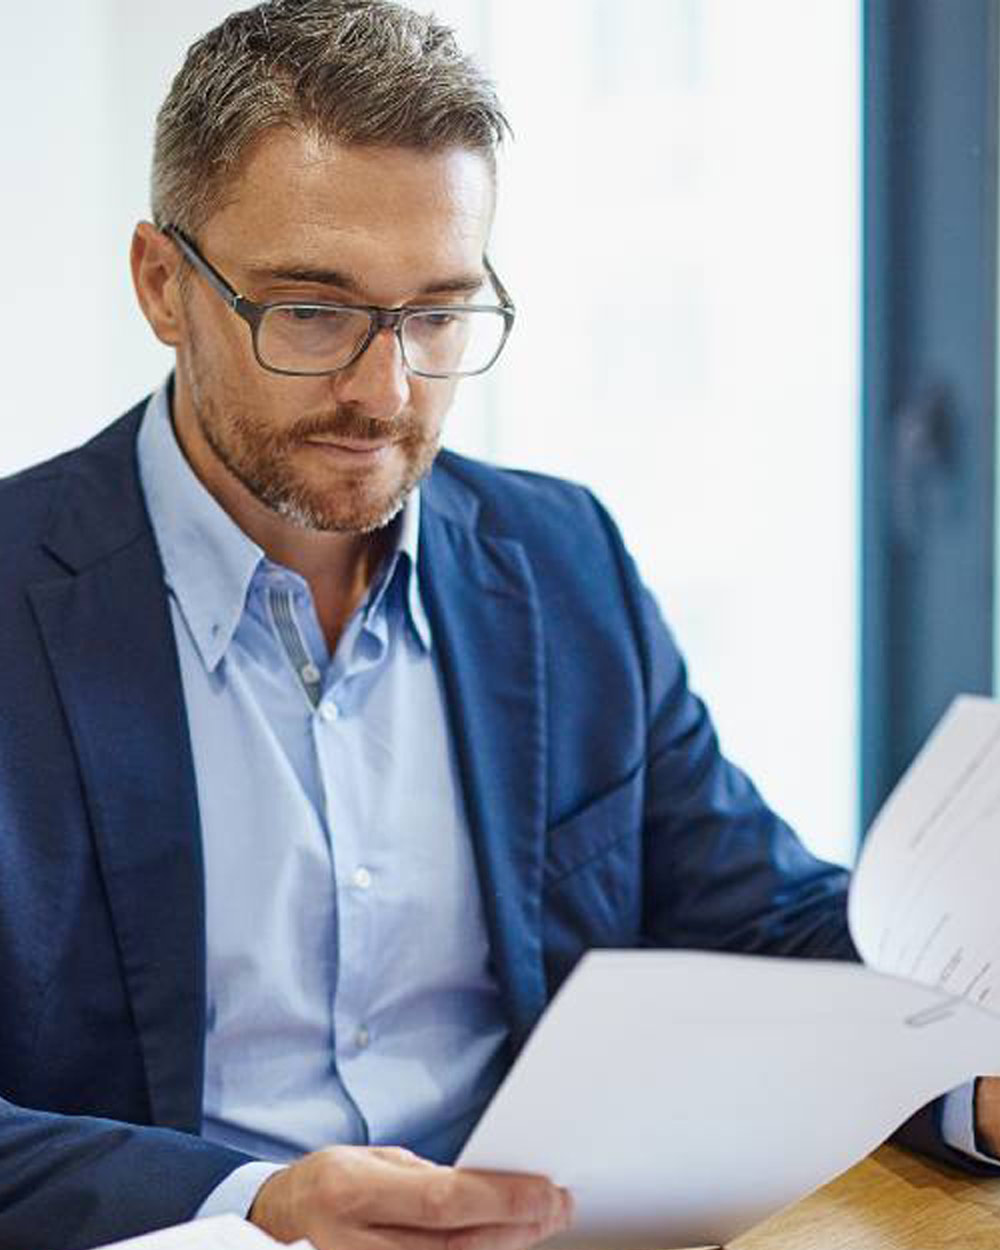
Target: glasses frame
x=379 y=318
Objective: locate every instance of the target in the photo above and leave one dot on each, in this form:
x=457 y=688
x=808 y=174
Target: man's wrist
x=986 y=1115
x=235 y=1194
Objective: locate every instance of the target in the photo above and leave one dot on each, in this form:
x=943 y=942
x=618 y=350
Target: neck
x=339 y=567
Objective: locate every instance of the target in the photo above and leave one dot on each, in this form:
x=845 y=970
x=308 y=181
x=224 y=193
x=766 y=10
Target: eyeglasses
x=307 y=339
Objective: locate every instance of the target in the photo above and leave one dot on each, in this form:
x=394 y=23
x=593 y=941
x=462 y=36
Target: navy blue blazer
x=602 y=812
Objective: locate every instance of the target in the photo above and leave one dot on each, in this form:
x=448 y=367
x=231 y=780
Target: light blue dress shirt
x=350 y=996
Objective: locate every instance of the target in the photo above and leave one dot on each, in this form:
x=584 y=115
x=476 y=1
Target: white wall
x=79 y=109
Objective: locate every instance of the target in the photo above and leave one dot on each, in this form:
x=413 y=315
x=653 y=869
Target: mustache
x=350 y=425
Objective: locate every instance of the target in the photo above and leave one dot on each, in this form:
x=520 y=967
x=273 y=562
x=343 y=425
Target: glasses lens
x=453 y=341
x=307 y=338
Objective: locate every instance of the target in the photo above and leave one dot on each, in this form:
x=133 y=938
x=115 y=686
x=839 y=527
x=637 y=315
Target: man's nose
x=376 y=383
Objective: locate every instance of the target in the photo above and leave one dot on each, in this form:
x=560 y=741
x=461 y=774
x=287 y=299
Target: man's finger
x=449 y=1198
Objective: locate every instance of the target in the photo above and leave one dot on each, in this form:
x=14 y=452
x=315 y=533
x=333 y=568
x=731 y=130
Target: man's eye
x=316 y=315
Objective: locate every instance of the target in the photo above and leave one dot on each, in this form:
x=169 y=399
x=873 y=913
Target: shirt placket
x=286 y=626
x=338 y=744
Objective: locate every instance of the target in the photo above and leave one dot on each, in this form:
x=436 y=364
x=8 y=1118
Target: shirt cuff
x=235 y=1194
x=958 y=1122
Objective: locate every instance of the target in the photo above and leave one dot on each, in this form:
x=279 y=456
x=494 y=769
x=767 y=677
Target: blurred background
x=753 y=250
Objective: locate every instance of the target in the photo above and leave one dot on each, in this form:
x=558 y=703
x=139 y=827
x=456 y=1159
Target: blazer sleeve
x=68 y=1181
x=722 y=871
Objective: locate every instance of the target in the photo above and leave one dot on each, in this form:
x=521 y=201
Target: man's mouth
x=351 y=446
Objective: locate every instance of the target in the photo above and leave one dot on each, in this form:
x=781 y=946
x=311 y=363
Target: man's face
x=314 y=221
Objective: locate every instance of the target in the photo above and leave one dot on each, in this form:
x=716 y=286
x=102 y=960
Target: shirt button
x=362 y=1037
x=362 y=878
x=329 y=712
x=309 y=672
x=370 y=646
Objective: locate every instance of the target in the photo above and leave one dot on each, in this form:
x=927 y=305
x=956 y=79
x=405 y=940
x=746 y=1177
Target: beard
x=263 y=460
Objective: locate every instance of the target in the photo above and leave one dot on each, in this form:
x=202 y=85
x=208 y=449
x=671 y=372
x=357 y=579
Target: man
x=324 y=756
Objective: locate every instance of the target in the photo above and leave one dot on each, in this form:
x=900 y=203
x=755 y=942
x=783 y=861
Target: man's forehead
x=322 y=212
x=297 y=176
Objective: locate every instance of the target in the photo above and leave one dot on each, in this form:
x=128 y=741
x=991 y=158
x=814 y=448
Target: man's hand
x=987 y=1114
x=384 y=1198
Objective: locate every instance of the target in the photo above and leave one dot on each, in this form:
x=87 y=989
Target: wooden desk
x=890 y=1201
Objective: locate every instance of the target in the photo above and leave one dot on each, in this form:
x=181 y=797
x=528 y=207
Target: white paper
x=923 y=900
x=682 y=1097
x=220 y=1232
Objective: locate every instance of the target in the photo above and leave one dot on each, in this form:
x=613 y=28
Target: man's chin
x=348 y=516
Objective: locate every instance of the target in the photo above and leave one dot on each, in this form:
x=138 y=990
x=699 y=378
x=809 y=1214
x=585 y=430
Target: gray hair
x=366 y=72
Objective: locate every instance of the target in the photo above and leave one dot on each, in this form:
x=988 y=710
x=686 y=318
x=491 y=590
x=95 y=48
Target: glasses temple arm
x=207 y=271
x=501 y=290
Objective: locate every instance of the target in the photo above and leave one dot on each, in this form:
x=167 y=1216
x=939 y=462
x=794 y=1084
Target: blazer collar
x=105 y=624
x=484 y=611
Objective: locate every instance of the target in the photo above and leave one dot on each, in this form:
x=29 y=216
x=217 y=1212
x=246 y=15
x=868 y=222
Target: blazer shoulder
x=574 y=547
x=26 y=498
x=29 y=496
x=522 y=503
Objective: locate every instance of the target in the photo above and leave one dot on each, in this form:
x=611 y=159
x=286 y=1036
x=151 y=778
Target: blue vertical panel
x=929 y=370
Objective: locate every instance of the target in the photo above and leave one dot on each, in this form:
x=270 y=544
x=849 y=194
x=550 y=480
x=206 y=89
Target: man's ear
x=156 y=266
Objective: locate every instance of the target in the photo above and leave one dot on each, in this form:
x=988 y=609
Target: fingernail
x=567 y=1207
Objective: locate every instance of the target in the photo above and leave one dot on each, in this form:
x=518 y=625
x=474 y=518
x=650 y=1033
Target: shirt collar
x=209 y=562
x=404 y=559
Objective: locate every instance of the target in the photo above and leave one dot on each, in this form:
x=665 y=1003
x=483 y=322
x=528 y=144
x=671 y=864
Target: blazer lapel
x=484 y=615
x=106 y=627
